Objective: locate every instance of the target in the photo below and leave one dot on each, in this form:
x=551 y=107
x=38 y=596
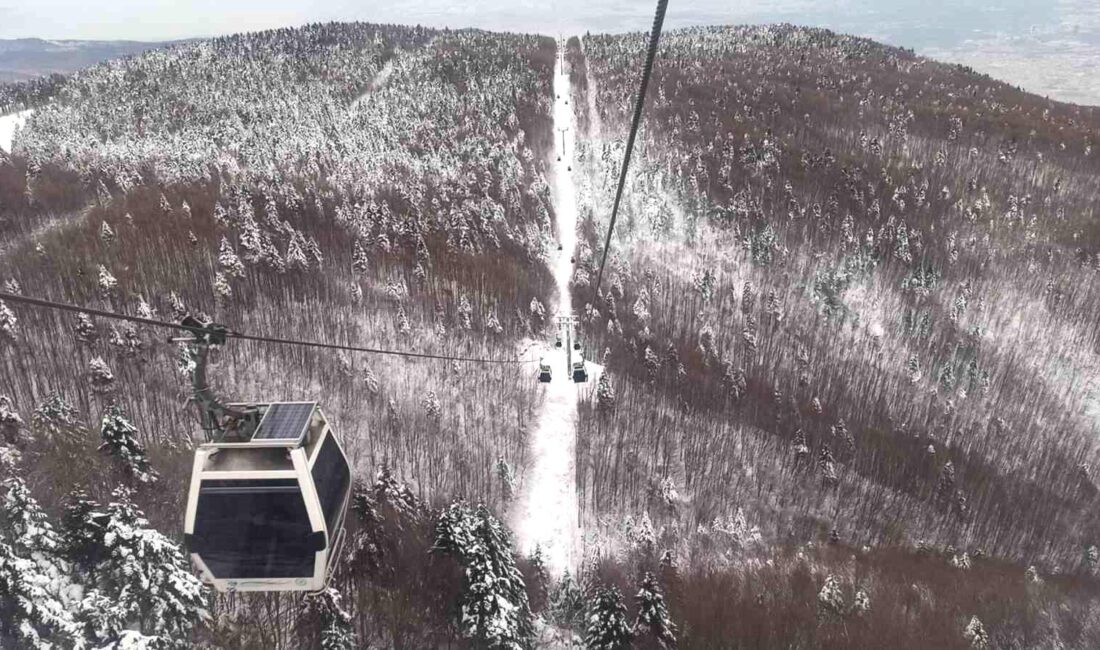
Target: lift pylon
x=574 y=355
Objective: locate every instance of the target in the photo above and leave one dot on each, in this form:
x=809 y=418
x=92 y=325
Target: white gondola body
x=267 y=514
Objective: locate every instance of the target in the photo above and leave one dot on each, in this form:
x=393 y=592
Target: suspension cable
x=48 y=304
x=651 y=54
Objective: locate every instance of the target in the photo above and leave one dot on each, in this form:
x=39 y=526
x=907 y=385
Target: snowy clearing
x=377 y=82
x=9 y=124
x=546 y=512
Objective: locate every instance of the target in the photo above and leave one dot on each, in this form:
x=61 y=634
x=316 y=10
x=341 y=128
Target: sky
x=1050 y=47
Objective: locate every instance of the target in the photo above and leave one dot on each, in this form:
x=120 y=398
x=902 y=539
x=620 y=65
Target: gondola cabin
x=544 y=372
x=266 y=513
x=580 y=373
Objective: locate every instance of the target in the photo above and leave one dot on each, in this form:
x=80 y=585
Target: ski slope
x=8 y=126
x=546 y=511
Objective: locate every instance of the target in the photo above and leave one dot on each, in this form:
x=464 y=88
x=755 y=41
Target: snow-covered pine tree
x=540 y=589
x=433 y=409
x=103 y=621
x=975 y=634
x=830 y=600
x=465 y=313
x=492 y=323
x=82 y=528
x=605 y=394
x=642 y=535
x=36 y=592
x=538 y=314
x=85 y=329
x=403 y=325
x=607 y=627
x=228 y=261
x=653 y=619
x=801 y=448
x=371 y=380
x=652 y=364
x=313 y=251
x=945 y=486
x=367 y=550
x=1092 y=558
x=828 y=467
x=296 y=259
x=493 y=610
x=144 y=309
x=270 y=255
x=251 y=241
x=120 y=441
x=178 y=308
x=324 y=624
x=125 y=338
x=106 y=234
x=567 y=603
x=100 y=374
x=11 y=425
x=55 y=420
x=106 y=282
x=360 y=263
x=8 y=324
x=141 y=570
x=223 y=291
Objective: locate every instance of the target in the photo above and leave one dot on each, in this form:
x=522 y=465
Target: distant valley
x=26 y=58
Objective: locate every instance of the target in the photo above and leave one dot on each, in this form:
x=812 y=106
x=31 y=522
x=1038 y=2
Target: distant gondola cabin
x=267 y=513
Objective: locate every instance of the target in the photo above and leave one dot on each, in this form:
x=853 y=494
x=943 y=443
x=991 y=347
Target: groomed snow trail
x=546 y=511
x=8 y=125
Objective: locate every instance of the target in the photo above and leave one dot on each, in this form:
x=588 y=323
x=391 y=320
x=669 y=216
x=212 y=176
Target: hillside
x=853 y=297
x=848 y=338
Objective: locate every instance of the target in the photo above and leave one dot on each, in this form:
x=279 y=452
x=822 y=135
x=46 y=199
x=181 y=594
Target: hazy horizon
x=1047 y=49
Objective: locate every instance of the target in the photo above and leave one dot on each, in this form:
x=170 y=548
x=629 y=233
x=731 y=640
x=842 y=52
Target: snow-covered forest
x=848 y=334
x=851 y=331
x=381 y=186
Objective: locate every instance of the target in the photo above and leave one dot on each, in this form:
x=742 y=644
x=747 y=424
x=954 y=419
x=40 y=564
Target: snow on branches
x=493 y=609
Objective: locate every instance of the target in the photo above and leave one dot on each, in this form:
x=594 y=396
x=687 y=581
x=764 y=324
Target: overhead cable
x=152 y=322
x=651 y=54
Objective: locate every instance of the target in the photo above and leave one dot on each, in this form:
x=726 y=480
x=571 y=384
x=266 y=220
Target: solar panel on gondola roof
x=285 y=421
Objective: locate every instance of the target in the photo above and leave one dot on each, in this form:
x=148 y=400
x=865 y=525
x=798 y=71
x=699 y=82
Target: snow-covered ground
x=546 y=511
x=9 y=124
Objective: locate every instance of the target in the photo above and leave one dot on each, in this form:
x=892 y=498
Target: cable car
x=544 y=372
x=269 y=491
x=580 y=373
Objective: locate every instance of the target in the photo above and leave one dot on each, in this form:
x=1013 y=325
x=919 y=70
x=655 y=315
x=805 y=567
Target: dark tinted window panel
x=253 y=529
x=285 y=421
x=332 y=477
x=248 y=483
